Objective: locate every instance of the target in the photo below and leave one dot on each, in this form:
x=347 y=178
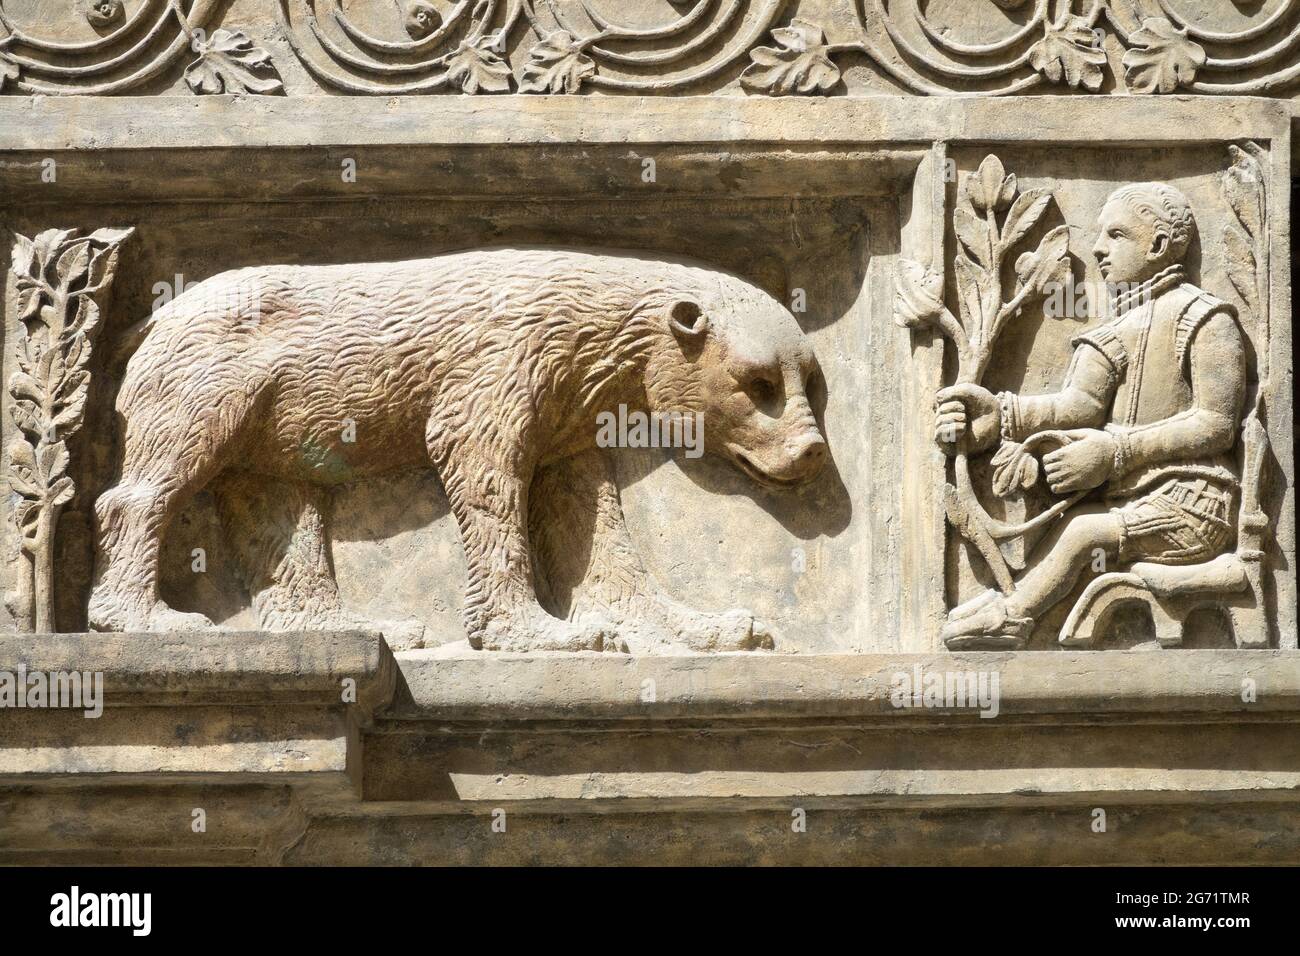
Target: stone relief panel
x=492 y=366
x=652 y=47
x=476 y=422
x=731 y=546
x=1127 y=466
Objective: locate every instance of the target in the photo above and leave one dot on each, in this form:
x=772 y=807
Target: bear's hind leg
x=165 y=464
x=279 y=532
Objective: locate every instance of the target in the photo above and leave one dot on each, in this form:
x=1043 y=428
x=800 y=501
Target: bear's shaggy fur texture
x=271 y=384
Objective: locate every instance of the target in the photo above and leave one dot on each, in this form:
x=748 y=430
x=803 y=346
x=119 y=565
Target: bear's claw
x=530 y=633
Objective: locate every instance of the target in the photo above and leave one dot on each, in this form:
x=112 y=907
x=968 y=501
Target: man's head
x=1143 y=229
x=736 y=356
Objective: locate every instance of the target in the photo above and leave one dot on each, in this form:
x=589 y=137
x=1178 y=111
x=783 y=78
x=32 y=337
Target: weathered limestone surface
x=326 y=330
x=587 y=766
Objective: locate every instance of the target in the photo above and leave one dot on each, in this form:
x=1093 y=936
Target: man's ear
x=688 y=322
x=1159 y=246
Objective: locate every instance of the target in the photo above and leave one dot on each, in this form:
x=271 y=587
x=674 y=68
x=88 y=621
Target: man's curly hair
x=1167 y=209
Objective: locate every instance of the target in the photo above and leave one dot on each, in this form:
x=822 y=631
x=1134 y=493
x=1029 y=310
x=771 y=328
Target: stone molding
x=586 y=770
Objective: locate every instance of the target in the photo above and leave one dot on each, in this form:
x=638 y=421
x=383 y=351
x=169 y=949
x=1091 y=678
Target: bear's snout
x=807 y=456
x=794 y=462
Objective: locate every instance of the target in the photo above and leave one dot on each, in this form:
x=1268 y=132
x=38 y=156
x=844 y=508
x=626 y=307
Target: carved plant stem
x=58 y=276
x=1247 y=260
x=984 y=243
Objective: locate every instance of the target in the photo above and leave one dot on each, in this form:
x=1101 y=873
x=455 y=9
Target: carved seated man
x=1149 y=409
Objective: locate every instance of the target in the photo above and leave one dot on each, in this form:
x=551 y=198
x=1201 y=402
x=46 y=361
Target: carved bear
x=271 y=384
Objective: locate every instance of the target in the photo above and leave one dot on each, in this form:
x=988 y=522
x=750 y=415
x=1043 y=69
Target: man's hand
x=966 y=410
x=1082 y=464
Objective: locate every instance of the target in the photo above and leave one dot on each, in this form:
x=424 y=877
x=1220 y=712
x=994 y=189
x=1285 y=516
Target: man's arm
x=1218 y=373
x=1082 y=402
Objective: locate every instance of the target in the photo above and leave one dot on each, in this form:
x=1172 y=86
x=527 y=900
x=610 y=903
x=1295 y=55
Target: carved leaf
x=1014 y=469
x=22 y=474
x=556 y=65
x=1024 y=215
x=1162 y=57
x=1243 y=184
x=973 y=234
x=1070 y=52
x=26 y=516
x=22 y=479
x=73 y=384
x=23 y=355
x=1048 y=264
x=22 y=455
x=918 y=295
x=61 y=491
x=44 y=246
x=111 y=237
x=52 y=461
x=23 y=257
x=73 y=264
x=25 y=418
x=29 y=300
x=799 y=63
x=969 y=278
x=476 y=67
x=22 y=385
x=230 y=62
x=1241 y=267
x=50 y=369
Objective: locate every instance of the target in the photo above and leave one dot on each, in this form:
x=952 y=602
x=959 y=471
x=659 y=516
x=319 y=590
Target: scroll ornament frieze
x=133 y=49
x=568 y=48
x=1144 y=449
x=60 y=279
x=772 y=47
x=1062 y=46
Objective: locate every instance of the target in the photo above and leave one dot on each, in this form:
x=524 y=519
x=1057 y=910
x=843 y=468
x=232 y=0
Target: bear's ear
x=688 y=321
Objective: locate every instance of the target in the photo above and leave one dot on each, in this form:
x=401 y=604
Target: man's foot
x=977 y=603
x=987 y=628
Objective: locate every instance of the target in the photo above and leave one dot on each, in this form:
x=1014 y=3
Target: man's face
x=1128 y=249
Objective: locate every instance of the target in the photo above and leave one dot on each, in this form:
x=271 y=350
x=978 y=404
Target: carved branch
x=59 y=276
x=994 y=219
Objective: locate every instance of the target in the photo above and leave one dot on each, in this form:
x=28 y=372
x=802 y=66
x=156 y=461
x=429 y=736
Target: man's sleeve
x=1082 y=402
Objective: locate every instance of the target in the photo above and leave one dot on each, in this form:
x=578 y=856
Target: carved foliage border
x=545 y=46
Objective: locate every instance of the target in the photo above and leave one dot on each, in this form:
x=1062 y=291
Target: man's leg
x=1077 y=541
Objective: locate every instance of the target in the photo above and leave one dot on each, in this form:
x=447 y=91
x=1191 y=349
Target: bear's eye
x=761 y=389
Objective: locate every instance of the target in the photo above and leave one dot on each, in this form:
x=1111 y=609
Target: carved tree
x=59 y=276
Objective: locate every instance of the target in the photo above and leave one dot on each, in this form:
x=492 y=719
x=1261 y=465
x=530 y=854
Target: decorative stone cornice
x=754 y=47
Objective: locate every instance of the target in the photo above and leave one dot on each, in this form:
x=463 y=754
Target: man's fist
x=1084 y=463
x=966 y=411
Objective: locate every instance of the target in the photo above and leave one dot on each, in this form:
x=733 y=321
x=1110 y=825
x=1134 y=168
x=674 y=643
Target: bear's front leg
x=502 y=613
x=588 y=567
